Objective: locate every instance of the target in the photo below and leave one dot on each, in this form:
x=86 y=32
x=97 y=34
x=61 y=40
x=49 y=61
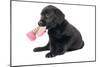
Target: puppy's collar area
x=58 y=26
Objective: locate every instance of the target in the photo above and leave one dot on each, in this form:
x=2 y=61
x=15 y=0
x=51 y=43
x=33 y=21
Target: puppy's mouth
x=48 y=26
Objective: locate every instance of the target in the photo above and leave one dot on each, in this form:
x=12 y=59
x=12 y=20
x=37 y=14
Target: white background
x=25 y=16
x=5 y=32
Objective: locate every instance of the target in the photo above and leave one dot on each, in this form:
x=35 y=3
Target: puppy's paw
x=37 y=49
x=49 y=55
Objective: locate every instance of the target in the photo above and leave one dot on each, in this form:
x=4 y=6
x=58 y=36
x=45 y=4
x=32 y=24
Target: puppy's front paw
x=37 y=49
x=49 y=55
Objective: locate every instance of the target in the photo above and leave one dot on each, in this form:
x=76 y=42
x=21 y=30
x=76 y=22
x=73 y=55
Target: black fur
x=62 y=35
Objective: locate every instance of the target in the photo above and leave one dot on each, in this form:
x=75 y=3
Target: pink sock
x=31 y=35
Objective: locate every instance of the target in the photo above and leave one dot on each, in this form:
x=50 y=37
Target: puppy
x=62 y=35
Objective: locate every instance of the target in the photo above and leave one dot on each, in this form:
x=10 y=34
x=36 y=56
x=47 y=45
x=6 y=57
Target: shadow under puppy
x=62 y=35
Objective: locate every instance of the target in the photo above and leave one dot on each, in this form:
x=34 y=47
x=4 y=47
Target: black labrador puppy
x=62 y=35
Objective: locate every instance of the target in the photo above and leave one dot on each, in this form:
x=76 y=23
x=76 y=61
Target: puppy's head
x=51 y=17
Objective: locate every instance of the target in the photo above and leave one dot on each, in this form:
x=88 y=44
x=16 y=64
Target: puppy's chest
x=55 y=33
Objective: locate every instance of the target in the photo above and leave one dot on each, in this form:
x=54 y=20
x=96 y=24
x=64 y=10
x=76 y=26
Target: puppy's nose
x=40 y=23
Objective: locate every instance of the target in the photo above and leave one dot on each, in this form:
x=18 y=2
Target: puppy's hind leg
x=38 y=49
x=77 y=46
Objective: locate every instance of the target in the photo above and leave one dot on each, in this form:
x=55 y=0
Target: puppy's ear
x=60 y=17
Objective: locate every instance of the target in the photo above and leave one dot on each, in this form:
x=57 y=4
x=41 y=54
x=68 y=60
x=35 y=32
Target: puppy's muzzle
x=41 y=23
